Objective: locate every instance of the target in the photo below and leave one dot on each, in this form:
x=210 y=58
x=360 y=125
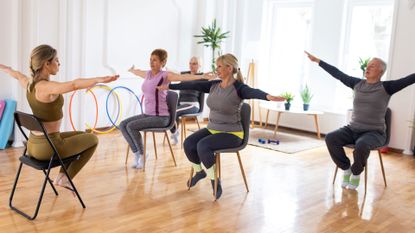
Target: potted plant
x=363 y=64
x=212 y=36
x=288 y=98
x=306 y=96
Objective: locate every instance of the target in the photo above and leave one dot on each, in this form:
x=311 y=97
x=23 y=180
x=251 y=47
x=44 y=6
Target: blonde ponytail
x=230 y=60
x=239 y=76
x=39 y=56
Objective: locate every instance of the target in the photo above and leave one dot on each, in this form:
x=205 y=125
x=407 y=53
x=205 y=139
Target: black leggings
x=201 y=145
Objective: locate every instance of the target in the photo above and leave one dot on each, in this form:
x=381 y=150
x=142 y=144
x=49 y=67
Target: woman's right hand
x=108 y=79
x=131 y=69
x=312 y=58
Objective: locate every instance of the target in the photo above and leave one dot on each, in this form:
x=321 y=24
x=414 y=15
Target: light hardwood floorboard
x=288 y=193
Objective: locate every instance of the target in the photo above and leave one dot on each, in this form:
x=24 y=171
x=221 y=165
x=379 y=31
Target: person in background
x=188 y=99
x=156 y=112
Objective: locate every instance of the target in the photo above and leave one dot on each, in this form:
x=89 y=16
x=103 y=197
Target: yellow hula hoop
x=120 y=110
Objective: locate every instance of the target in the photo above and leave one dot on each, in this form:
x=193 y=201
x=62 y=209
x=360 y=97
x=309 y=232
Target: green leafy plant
x=363 y=64
x=288 y=96
x=306 y=95
x=212 y=36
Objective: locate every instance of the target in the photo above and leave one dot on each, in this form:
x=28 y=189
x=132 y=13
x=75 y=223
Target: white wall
x=99 y=37
x=402 y=63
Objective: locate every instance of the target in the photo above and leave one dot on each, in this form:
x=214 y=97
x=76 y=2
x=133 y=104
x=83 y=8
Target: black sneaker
x=198 y=176
x=219 y=190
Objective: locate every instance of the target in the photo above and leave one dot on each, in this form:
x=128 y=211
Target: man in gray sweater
x=367 y=127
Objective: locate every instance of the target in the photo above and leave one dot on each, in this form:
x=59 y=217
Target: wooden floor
x=288 y=193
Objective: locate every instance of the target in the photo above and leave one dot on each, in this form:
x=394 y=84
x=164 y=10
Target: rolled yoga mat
x=6 y=123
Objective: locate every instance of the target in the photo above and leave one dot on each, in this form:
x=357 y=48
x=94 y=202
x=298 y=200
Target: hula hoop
x=108 y=96
x=119 y=109
x=70 y=109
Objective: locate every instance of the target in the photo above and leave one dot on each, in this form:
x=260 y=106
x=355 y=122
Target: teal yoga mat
x=6 y=123
x=2 y=106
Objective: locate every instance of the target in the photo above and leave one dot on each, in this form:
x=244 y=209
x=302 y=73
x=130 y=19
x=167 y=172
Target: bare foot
x=64 y=183
x=58 y=178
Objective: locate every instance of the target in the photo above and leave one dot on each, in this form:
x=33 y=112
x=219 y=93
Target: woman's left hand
x=209 y=76
x=275 y=98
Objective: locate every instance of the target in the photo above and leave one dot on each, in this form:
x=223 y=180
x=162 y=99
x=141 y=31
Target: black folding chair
x=32 y=123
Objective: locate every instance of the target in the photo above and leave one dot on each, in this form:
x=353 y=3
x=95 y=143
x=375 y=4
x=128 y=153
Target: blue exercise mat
x=6 y=123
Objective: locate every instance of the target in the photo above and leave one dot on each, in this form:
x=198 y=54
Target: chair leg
x=182 y=132
x=198 y=125
x=366 y=178
x=383 y=169
x=216 y=177
x=154 y=143
x=171 y=150
x=145 y=151
x=335 y=174
x=242 y=171
x=184 y=128
x=218 y=165
x=126 y=154
x=51 y=184
x=190 y=178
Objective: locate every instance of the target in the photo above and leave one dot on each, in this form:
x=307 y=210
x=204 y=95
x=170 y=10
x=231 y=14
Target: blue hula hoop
x=108 y=96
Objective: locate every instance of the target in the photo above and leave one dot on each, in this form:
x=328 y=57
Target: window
x=368 y=28
x=285 y=37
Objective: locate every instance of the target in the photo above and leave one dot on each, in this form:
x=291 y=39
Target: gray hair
x=383 y=65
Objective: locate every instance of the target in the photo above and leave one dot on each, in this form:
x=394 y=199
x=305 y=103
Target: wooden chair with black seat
x=172 y=98
x=245 y=120
x=32 y=123
x=388 y=118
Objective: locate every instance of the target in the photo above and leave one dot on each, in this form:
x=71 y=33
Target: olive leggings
x=67 y=144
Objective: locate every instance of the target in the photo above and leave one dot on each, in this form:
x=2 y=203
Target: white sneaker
x=354 y=182
x=138 y=161
x=346 y=178
x=175 y=138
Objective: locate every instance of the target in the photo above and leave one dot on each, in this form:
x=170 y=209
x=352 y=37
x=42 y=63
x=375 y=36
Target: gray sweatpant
x=131 y=127
x=364 y=141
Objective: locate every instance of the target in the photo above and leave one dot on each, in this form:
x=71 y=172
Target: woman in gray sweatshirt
x=224 y=129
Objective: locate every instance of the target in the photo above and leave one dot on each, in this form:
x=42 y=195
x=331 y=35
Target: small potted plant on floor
x=306 y=96
x=288 y=98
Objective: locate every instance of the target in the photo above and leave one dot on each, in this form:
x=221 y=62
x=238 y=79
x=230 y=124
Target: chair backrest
x=201 y=101
x=245 y=120
x=172 y=99
x=28 y=121
x=388 y=120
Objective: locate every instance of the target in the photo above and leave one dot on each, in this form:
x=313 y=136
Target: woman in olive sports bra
x=46 y=101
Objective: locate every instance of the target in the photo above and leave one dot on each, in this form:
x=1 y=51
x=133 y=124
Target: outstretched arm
x=137 y=72
x=333 y=71
x=198 y=85
x=23 y=79
x=55 y=88
x=246 y=92
x=394 y=86
x=171 y=77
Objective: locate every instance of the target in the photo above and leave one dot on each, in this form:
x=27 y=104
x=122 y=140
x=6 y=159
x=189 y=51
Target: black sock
x=219 y=190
